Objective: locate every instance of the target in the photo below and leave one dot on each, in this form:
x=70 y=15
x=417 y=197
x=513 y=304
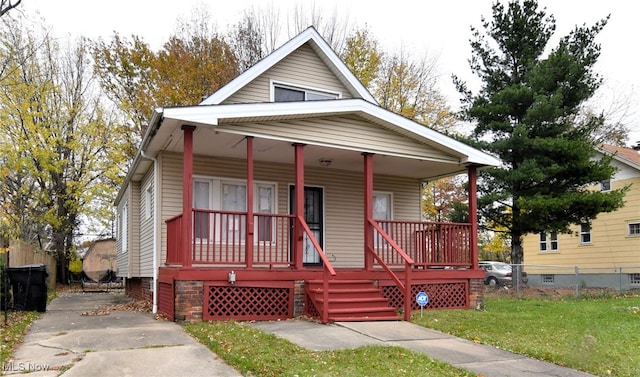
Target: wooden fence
x=21 y=254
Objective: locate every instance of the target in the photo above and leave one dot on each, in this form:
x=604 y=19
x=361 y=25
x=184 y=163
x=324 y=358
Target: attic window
x=283 y=93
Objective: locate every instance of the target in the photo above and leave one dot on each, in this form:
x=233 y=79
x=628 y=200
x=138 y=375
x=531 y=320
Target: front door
x=314 y=216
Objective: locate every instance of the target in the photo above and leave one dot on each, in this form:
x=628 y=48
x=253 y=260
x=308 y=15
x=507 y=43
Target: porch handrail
x=408 y=263
x=327 y=269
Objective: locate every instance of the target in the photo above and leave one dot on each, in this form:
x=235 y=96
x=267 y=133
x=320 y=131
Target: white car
x=496 y=273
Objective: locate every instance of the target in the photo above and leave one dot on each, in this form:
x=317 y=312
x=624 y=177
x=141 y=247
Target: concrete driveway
x=108 y=343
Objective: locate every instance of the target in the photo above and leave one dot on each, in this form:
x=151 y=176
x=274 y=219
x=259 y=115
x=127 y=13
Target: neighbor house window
x=634 y=229
x=548 y=242
x=605 y=185
x=585 y=233
x=548 y=278
x=634 y=279
x=288 y=93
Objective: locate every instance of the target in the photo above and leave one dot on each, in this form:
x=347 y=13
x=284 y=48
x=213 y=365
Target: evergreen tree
x=527 y=113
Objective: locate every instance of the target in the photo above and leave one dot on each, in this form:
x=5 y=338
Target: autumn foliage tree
x=58 y=145
x=195 y=62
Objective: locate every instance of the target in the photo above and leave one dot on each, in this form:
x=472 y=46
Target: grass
x=12 y=333
x=597 y=334
x=255 y=353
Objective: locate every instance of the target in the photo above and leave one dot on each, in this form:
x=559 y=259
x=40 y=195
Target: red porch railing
x=327 y=269
x=219 y=237
x=382 y=236
x=428 y=244
x=406 y=245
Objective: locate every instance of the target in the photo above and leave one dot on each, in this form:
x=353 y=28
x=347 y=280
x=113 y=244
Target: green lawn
x=598 y=335
x=255 y=353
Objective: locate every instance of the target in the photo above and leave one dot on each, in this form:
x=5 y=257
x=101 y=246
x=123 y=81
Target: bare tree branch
x=7 y=5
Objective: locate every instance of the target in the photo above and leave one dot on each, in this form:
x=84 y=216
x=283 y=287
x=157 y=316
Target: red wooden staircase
x=349 y=300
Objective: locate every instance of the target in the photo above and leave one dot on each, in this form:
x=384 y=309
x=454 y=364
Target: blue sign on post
x=422 y=299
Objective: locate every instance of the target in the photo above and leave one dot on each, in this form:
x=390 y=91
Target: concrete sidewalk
x=483 y=360
x=63 y=342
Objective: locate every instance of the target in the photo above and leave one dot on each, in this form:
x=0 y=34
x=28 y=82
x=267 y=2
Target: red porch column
x=299 y=205
x=248 y=258
x=187 y=196
x=473 y=214
x=368 y=209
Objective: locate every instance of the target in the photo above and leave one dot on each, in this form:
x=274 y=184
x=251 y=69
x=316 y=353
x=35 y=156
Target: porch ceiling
x=209 y=141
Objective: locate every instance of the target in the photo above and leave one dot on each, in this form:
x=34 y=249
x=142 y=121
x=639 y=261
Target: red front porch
x=246 y=266
x=405 y=257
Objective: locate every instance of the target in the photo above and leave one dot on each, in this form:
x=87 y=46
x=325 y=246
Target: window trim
x=629 y=225
x=124 y=228
x=388 y=194
x=547 y=241
x=303 y=88
x=215 y=197
x=583 y=233
x=148 y=198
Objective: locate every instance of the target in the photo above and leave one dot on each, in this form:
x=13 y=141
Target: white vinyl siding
x=135 y=229
x=303 y=67
x=128 y=240
x=122 y=238
x=347 y=132
x=146 y=226
x=344 y=206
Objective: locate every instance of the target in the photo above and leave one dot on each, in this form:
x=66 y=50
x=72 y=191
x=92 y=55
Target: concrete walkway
x=64 y=342
x=483 y=360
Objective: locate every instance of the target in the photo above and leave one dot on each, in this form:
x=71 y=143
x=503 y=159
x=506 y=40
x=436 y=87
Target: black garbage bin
x=29 y=285
x=5 y=286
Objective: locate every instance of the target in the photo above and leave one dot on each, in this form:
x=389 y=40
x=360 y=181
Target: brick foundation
x=189 y=297
x=139 y=288
x=298 y=298
x=476 y=294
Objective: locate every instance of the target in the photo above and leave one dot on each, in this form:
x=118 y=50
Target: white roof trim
x=213 y=114
x=310 y=34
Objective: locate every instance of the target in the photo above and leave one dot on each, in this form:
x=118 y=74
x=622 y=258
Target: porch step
x=350 y=300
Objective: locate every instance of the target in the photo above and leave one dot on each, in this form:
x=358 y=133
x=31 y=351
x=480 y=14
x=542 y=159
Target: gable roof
x=624 y=155
x=319 y=45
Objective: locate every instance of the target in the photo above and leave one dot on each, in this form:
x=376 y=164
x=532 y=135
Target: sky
x=440 y=29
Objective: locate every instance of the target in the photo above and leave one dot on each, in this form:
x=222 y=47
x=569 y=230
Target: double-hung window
x=585 y=233
x=548 y=242
x=230 y=197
